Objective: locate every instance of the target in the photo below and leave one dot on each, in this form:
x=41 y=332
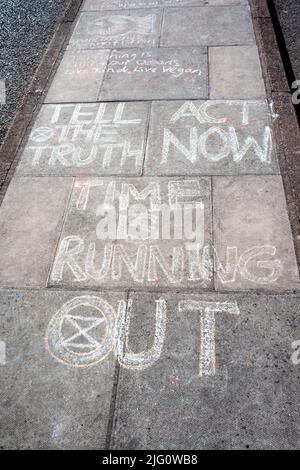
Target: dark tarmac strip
x=26 y=28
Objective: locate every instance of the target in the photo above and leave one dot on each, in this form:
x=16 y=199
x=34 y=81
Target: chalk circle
x=57 y=344
x=41 y=134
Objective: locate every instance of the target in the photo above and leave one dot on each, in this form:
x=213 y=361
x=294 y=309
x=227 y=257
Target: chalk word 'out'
x=81 y=348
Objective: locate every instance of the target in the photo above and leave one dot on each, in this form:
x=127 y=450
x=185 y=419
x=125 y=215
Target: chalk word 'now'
x=222 y=134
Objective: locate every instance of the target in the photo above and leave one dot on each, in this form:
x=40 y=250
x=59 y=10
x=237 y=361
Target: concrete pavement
x=150 y=288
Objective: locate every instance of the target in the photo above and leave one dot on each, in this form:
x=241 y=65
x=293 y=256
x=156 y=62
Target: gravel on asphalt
x=26 y=28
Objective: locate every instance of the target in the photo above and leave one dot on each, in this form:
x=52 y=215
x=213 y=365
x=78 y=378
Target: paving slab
x=48 y=400
x=252 y=235
x=210 y=138
x=219 y=377
x=105 y=30
x=79 y=77
x=87 y=139
x=30 y=221
x=116 y=235
x=235 y=73
x=202 y=26
x=156 y=73
x=95 y=5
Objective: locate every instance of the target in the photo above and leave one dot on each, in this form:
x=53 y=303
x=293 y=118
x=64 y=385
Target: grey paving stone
x=201 y=26
x=156 y=73
x=79 y=77
x=235 y=73
x=87 y=139
x=252 y=401
x=47 y=399
x=30 y=221
x=95 y=5
x=252 y=235
x=105 y=30
x=91 y=254
x=210 y=138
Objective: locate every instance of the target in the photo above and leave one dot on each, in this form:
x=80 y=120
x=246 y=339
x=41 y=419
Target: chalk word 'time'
x=86 y=338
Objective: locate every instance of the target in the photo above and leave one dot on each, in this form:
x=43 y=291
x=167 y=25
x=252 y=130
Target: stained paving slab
x=150 y=289
x=79 y=77
x=230 y=78
x=30 y=219
x=106 y=30
x=251 y=399
x=44 y=403
x=262 y=236
x=207 y=26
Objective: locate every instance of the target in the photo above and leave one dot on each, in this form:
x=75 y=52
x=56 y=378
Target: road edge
x=18 y=130
x=286 y=125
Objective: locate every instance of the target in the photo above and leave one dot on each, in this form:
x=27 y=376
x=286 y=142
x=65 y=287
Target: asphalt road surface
x=26 y=28
x=288 y=12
